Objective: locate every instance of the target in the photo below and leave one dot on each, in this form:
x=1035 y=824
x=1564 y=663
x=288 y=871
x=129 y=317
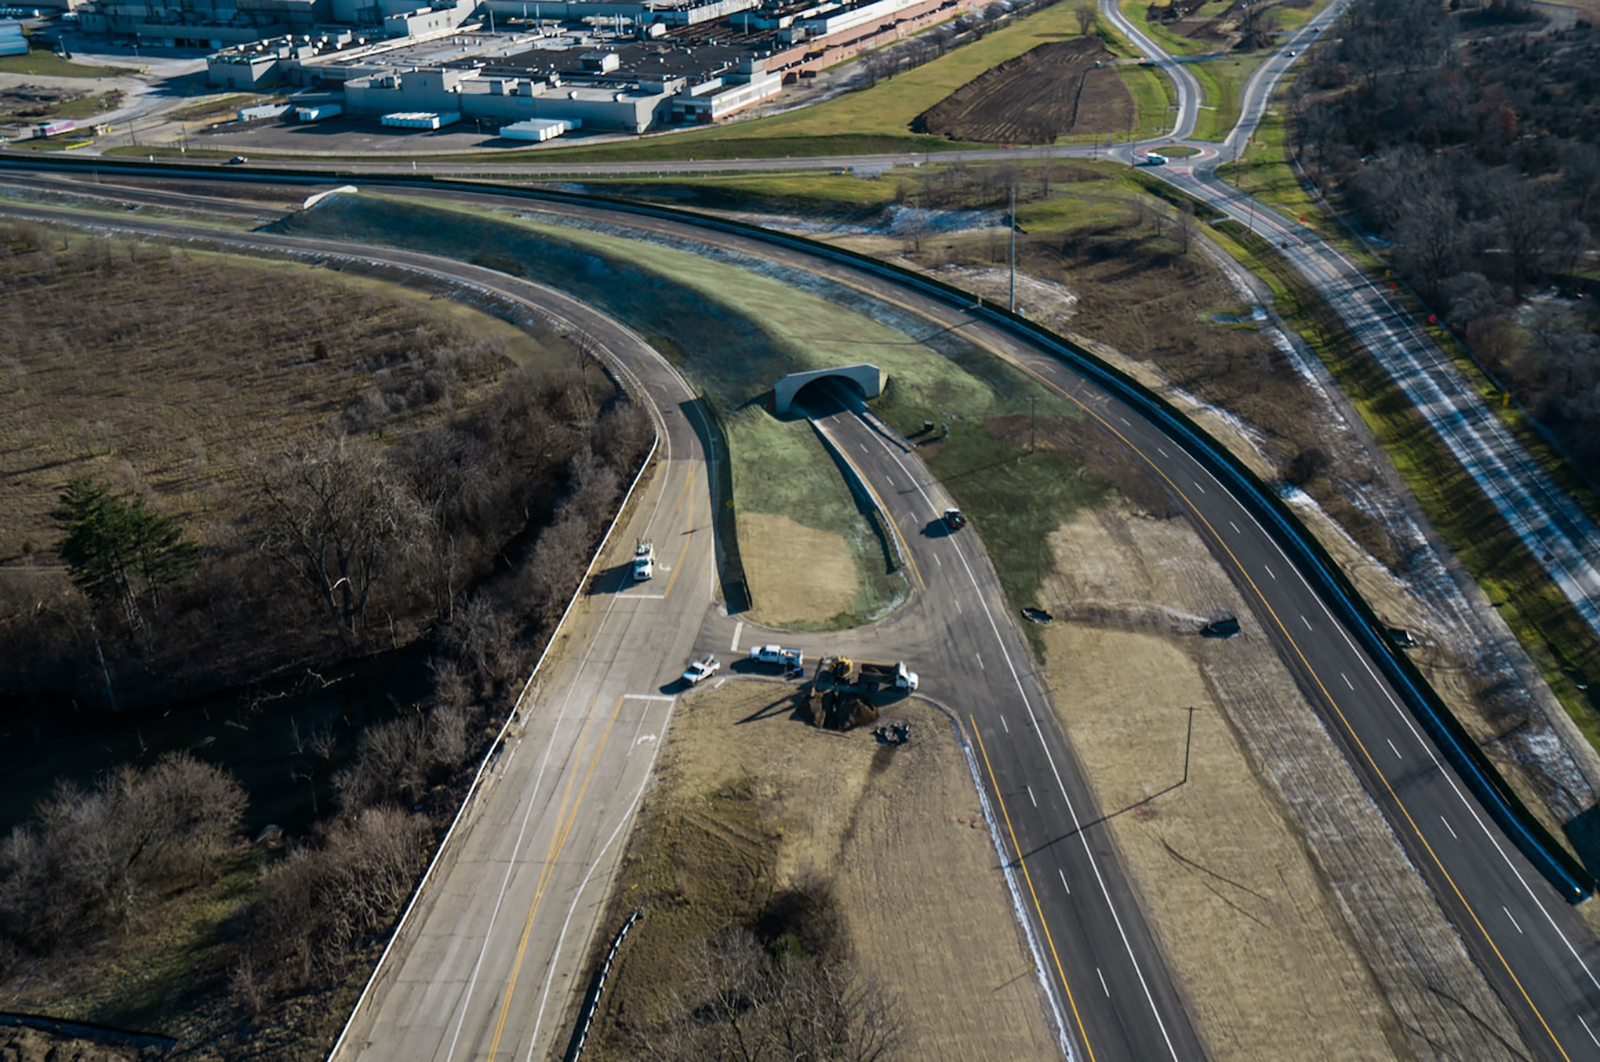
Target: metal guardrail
x=1546 y=854
x=492 y=755
x=103 y=1034
x=1554 y=862
x=591 y=1000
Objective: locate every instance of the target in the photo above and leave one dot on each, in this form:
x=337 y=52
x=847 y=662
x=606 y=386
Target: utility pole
x=1187 y=741
x=1033 y=406
x=1012 y=221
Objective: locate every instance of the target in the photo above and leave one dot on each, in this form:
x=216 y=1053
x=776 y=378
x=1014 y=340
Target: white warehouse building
x=632 y=105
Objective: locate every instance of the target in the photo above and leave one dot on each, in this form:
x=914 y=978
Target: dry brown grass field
x=182 y=363
x=749 y=799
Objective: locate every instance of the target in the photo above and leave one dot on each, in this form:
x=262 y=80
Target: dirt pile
x=1055 y=90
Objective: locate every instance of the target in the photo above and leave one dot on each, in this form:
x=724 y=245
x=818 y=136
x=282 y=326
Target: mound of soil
x=1051 y=91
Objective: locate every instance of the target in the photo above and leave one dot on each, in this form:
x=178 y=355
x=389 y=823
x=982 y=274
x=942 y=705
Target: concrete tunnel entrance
x=869 y=379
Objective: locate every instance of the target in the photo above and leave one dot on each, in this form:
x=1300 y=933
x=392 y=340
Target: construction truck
x=867 y=676
x=644 y=561
x=845 y=694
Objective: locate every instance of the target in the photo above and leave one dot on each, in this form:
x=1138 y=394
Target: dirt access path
x=1052 y=91
x=748 y=798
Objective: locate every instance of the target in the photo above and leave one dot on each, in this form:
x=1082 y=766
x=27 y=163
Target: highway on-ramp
x=493 y=950
x=1530 y=945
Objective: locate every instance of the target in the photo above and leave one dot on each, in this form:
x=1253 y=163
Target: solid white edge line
x=1077 y=823
x=1404 y=716
x=627 y=814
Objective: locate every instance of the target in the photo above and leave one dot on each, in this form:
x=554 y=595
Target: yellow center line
x=1332 y=703
x=1029 y=879
x=993 y=348
x=558 y=841
x=684 y=552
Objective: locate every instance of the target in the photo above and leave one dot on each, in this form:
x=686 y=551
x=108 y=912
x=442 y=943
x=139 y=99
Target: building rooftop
x=673 y=56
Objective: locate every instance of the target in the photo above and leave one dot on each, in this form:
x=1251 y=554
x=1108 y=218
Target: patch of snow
x=902 y=220
x=1245 y=430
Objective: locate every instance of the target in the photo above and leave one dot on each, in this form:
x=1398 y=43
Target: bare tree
x=1185 y=229
x=1580 y=176
x=791 y=991
x=1529 y=225
x=93 y=858
x=1085 y=14
x=1429 y=237
x=340 y=519
x=180 y=818
x=320 y=904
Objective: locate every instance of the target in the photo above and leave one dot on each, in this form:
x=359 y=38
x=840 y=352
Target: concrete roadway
x=491 y=958
x=495 y=956
x=511 y=909
x=1539 y=512
x=1532 y=947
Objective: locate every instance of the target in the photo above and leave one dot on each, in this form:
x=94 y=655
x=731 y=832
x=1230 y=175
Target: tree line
x=354 y=543
x=94 y=862
x=449 y=502
x=1468 y=142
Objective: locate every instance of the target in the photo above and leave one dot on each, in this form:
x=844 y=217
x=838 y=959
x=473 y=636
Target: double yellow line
x=567 y=811
x=688 y=507
x=566 y=815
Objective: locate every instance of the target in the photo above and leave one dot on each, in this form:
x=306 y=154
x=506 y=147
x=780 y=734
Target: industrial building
x=603 y=65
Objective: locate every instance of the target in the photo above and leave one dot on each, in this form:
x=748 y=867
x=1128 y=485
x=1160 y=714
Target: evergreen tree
x=121 y=552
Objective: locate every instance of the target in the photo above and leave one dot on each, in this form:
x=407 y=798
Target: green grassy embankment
x=41 y=62
x=734 y=331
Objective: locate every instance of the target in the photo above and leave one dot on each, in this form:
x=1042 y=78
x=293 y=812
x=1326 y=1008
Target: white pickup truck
x=700 y=670
x=644 y=561
x=791 y=659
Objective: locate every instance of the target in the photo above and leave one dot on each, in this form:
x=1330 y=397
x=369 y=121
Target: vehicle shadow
x=612 y=580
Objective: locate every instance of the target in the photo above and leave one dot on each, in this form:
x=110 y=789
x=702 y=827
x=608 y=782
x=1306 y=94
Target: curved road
x=1530 y=945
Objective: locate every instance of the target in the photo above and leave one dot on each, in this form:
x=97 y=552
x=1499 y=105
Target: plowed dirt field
x=1055 y=90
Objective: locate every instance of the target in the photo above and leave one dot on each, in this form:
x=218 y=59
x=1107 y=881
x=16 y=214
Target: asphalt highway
x=450 y=983
x=1540 y=513
x=962 y=638
x=1531 y=945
